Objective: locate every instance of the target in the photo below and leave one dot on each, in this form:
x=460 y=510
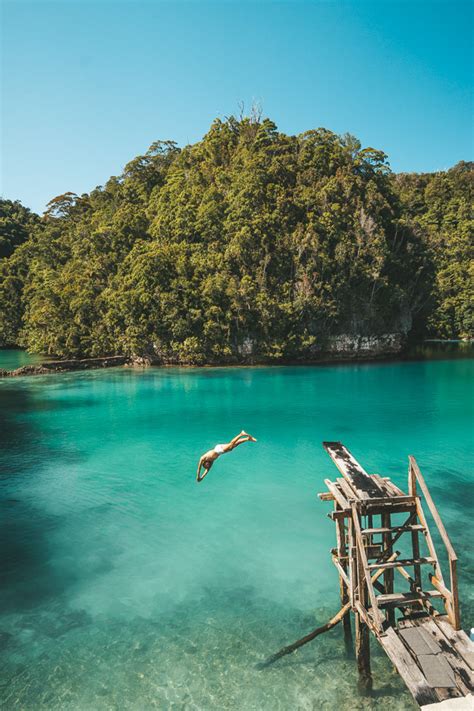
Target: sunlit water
x=126 y=585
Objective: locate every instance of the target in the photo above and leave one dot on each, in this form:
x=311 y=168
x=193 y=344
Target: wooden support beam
x=344 y=582
x=362 y=651
x=329 y=625
x=388 y=574
x=365 y=582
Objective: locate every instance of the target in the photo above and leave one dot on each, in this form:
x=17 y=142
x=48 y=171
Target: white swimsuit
x=219 y=448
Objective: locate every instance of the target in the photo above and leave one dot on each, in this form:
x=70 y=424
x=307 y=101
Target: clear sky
x=86 y=86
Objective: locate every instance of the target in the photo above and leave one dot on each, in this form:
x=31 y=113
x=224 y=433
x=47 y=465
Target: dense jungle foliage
x=250 y=244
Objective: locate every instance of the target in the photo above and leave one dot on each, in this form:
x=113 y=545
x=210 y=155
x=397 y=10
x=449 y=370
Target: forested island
x=249 y=246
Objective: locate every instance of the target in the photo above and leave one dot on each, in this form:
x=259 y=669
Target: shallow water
x=12 y=358
x=129 y=586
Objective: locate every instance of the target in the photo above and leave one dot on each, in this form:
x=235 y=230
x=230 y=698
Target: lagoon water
x=126 y=585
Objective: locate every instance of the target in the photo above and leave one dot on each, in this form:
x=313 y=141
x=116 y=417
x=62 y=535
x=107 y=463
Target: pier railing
x=450 y=596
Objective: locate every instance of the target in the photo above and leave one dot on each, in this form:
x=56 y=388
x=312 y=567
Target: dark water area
x=440 y=350
x=126 y=585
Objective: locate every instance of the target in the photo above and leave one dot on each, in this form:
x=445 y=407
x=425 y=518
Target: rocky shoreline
x=339 y=349
x=62 y=366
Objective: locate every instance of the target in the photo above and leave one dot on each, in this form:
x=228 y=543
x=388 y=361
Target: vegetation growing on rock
x=249 y=244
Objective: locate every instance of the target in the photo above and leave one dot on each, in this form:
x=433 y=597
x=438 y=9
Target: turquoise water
x=12 y=358
x=126 y=585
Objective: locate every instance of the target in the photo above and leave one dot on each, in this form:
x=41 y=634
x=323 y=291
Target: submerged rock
x=58 y=366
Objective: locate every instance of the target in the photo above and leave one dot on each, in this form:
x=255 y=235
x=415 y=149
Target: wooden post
x=389 y=574
x=415 y=543
x=344 y=592
x=362 y=634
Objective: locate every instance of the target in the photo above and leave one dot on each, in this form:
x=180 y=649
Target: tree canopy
x=248 y=245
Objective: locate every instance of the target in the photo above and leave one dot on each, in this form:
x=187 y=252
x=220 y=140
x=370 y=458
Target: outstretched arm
x=198 y=474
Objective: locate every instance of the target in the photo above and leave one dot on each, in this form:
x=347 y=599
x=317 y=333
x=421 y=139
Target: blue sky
x=89 y=85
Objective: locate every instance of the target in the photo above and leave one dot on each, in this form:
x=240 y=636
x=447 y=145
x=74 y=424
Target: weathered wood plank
x=408 y=670
x=326 y=496
x=458 y=639
x=437 y=671
x=403 y=562
x=387 y=503
x=415 y=641
x=384 y=485
x=352 y=470
x=463 y=675
x=396 y=489
x=347 y=490
x=393 y=529
x=401 y=599
x=339 y=497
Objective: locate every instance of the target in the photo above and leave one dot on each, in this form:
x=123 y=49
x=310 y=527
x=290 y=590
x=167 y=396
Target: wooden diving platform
x=395 y=598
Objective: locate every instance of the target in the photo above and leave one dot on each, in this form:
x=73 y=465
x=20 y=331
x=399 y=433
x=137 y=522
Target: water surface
x=126 y=585
x=13 y=358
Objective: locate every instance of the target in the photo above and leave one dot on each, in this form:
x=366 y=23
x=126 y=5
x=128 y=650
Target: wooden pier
x=434 y=657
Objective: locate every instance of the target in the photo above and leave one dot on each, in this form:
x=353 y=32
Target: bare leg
x=240 y=439
x=235 y=439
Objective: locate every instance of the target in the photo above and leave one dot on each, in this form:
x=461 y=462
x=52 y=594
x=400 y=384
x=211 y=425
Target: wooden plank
x=462 y=673
x=393 y=529
x=392 y=504
x=339 y=497
x=343 y=575
x=347 y=490
x=384 y=485
x=408 y=670
x=458 y=639
x=388 y=503
x=393 y=486
x=352 y=470
x=326 y=496
x=437 y=671
x=402 y=562
x=415 y=641
x=401 y=599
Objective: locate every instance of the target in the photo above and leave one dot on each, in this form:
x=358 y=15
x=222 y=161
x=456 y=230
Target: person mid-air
x=208 y=459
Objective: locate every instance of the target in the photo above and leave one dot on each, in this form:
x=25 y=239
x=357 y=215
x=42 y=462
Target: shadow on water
x=26 y=570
